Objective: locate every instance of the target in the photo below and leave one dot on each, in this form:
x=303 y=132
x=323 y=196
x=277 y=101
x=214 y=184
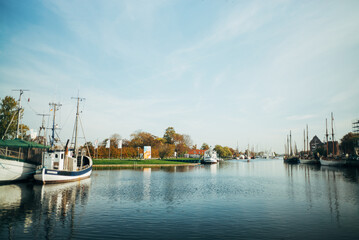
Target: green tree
x=169 y=135
x=349 y=142
x=204 y=146
x=8 y=112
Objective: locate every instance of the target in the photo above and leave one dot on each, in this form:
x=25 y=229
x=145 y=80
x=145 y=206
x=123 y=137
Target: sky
x=227 y=72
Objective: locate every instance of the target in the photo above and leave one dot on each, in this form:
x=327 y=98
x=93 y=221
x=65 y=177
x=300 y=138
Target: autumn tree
x=166 y=150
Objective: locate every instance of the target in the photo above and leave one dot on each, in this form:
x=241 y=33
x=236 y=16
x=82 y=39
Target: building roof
x=315 y=140
x=21 y=143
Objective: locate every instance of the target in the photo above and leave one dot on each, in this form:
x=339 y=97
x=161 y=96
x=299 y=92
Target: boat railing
x=11 y=153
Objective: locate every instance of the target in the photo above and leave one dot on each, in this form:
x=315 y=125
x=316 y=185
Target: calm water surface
x=262 y=199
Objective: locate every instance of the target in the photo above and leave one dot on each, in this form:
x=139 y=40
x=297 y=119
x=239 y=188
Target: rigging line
x=67 y=119
x=8 y=126
x=59 y=139
x=88 y=150
x=28 y=104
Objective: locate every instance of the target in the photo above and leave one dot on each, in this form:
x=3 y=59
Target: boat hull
x=210 y=161
x=13 y=170
x=325 y=162
x=291 y=160
x=309 y=161
x=46 y=176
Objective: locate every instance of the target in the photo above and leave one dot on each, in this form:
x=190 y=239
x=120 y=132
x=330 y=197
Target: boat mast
x=307 y=140
x=304 y=141
x=287 y=145
x=55 y=106
x=290 y=140
x=76 y=123
x=19 y=112
x=43 y=127
x=332 y=133
x=326 y=134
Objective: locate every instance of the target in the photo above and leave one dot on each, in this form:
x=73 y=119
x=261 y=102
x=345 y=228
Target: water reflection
x=268 y=193
x=27 y=208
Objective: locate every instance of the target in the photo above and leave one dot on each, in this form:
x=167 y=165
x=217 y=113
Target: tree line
x=161 y=147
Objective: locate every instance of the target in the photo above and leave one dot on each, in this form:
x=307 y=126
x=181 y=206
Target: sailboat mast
x=290 y=141
x=332 y=133
x=304 y=140
x=55 y=107
x=287 y=145
x=76 y=124
x=307 y=140
x=326 y=134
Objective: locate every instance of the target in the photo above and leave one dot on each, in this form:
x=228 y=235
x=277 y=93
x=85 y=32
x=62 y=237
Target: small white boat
x=332 y=162
x=64 y=165
x=58 y=166
x=210 y=156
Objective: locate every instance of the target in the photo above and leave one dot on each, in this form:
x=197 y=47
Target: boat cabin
x=64 y=161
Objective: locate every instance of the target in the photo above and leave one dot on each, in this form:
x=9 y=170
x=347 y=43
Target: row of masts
x=55 y=107
x=288 y=145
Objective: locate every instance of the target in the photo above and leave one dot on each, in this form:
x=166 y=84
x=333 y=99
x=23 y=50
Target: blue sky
x=220 y=71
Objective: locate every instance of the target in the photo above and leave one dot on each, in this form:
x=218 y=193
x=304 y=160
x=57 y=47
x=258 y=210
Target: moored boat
x=308 y=161
x=19 y=159
x=210 y=156
x=291 y=159
x=332 y=162
x=331 y=159
x=64 y=165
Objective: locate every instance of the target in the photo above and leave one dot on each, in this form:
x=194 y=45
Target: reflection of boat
x=10 y=195
x=210 y=156
x=64 y=165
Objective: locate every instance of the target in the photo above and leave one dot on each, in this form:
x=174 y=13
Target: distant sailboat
x=307 y=157
x=331 y=159
x=291 y=157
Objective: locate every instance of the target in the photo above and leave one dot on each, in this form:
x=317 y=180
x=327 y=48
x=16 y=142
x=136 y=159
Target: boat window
x=56 y=155
x=62 y=156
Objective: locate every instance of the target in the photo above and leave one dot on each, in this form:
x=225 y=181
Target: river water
x=261 y=199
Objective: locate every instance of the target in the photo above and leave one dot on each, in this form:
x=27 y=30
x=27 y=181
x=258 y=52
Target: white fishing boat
x=210 y=156
x=64 y=165
x=18 y=159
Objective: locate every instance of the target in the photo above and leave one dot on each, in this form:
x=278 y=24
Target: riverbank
x=130 y=163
